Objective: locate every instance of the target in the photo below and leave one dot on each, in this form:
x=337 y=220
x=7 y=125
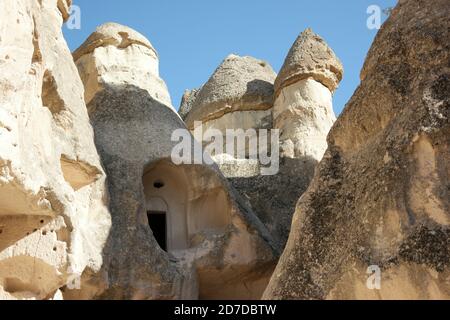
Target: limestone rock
x=238 y=84
x=54 y=220
x=115 y=54
x=303 y=108
x=179 y=231
x=380 y=196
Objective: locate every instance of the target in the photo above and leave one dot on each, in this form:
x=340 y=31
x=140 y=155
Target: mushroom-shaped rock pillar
x=303 y=109
x=238 y=96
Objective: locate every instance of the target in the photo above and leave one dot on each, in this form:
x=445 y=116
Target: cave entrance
x=157 y=221
x=188 y=208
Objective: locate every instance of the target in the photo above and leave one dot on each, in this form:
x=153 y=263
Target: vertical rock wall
x=380 y=196
x=53 y=215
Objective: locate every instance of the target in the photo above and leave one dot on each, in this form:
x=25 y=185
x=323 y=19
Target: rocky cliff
x=54 y=220
x=102 y=195
x=380 y=196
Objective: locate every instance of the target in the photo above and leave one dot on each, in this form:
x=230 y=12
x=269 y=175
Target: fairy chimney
x=303 y=109
x=115 y=54
x=179 y=230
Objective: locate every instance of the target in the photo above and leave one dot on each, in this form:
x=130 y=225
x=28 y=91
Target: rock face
x=53 y=217
x=178 y=231
x=380 y=196
x=303 y=109
x=115 y=54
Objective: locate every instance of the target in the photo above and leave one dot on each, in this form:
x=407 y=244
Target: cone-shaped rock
x=54 y=220
x=238 y=96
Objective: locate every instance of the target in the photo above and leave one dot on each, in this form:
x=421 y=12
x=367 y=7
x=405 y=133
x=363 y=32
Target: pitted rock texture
x=381 y=196
x=213 y=246
x=238 y=84
x=54 y=221
x=310 y=57
x=302 y=112
x=116 y=54
x=303 y=107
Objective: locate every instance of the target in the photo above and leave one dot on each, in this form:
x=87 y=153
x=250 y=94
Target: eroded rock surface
x=303 y=107
x=238 y=84
x=380 y=196
x=115 y=54
x=179 y=231
x=240 y=95
x=53 y=216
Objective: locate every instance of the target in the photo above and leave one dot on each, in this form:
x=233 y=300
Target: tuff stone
x=303 y=108
x=310 y=57
x=238 y=84
x=380 y=194
x=116 y=54
x=215 y=246
x=54 y=220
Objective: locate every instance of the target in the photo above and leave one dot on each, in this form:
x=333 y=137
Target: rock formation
x=116 y=54
x=240 y=95
x=53 y=217
x=178 y=231
x=380 y=196
x=303 y=109
x=122 y=209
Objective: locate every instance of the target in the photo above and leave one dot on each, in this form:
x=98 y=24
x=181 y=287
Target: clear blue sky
x=193 y=37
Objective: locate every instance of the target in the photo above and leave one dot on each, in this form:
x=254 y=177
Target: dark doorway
x=158 y=223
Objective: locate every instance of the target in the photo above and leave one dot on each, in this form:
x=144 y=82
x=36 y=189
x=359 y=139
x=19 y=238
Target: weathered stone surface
x=215 y=246
x=115 y=54
x=238 y=84
x=303 y=108
x=381 y=196
x=53 y=217
x=273 y=197
x=302 y=112
x=310 y=57
x=64 y=8
x=237 y=96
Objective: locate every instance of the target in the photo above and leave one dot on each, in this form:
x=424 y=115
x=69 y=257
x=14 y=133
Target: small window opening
x=158 y=184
